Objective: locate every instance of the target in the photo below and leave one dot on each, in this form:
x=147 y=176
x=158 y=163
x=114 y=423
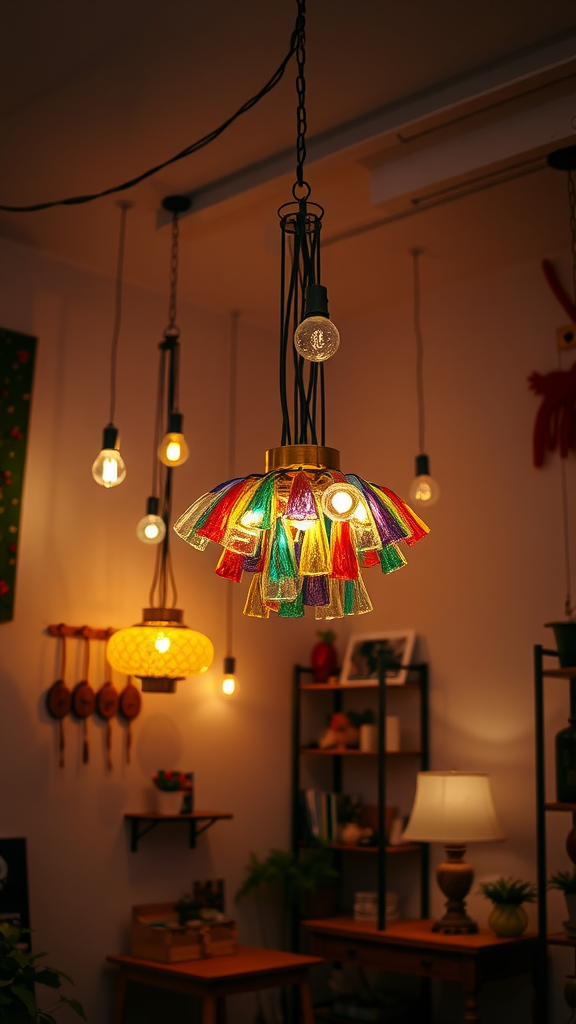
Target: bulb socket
x=175 y=423
x=562 y=159
x=176 y=204
x=422 y=465
x=229 y=666
x=316 y=301
x=110 y=436
x=152 y=505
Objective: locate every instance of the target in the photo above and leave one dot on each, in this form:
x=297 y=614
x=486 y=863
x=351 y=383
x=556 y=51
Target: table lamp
x=453 y=808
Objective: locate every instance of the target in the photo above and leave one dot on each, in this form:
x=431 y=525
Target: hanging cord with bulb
x=124 y=207
x=166 y=405
x=416 y=253
x=568 y=607
x=188 y=151
x=232 y=399
x=299 y=268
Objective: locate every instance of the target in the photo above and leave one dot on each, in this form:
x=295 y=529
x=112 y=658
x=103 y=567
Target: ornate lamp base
x=455 y=877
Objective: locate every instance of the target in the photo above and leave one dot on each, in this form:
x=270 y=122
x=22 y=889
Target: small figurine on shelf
x=340 y=733
x=170 y=788
x=565 y=881
x=324 y=658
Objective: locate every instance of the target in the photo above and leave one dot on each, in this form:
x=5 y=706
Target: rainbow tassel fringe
x=302 y=534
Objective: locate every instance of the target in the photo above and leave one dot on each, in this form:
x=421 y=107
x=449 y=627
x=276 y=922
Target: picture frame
x=360 y=666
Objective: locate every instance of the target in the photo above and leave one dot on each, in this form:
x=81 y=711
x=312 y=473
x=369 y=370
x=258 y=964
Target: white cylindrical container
x=168 y=801
x=368 y=738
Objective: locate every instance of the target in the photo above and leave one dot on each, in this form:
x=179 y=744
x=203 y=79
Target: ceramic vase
x=168 y=801
x=508 y=920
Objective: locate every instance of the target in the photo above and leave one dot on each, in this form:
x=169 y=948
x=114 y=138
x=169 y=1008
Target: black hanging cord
x=296 y=40
x=232 y=400
x=416 y=253
x=124 y=207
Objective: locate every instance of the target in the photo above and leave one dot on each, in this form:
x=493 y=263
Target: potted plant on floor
x=19 y=975
x=565 y=881
x=508 y=919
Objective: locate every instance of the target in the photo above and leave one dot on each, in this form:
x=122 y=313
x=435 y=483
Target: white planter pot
x=168 y=801
x=368 y=735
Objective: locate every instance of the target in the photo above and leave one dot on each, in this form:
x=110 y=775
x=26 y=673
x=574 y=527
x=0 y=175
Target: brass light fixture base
x=167 y=615
x=314 y=456
x=159 y=684
x=455 y=877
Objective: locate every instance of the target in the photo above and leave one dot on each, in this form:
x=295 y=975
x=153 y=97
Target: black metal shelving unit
x=543 y=806
x=420 y=671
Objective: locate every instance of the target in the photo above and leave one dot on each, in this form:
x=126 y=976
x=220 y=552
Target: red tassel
x=230 y=565
x=344 y=559
x=215 y=526
x=370 y=558
x=417 y=531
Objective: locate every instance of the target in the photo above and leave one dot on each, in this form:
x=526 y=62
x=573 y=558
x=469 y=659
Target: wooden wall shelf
x=198 y=821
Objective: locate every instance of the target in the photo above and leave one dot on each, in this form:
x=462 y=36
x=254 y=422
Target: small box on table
x=157 y=935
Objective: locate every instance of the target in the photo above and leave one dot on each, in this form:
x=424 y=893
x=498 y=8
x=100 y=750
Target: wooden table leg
x=306 y=1003
x=120 y=999
x=209 y=1010
x=472 y=1014
x=221 y=1010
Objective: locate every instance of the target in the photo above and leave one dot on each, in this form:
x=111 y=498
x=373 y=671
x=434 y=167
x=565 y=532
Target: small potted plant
x=20 y=972
x=508 y=919
x=565 y=881
x=169 y=789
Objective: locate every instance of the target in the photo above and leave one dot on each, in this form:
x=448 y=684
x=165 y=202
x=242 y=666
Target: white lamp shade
x=454 y=808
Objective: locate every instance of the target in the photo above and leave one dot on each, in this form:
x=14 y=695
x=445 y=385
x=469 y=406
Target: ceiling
x=93 y=94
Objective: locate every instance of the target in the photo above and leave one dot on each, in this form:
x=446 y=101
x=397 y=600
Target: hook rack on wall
x=81 y=632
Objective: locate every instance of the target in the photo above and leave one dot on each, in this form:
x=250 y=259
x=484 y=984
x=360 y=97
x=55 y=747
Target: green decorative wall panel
x=17 y=354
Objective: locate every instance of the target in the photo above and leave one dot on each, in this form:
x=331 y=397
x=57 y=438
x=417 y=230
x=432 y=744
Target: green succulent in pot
x=508 y=919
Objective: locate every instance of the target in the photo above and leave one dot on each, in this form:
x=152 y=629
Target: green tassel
x=349 y=597
x=292 y=609
x=261 y=503
x=282 y=561
x=391 y=558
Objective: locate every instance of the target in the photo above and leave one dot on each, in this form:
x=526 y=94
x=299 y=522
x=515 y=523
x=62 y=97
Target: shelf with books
x=315 y=814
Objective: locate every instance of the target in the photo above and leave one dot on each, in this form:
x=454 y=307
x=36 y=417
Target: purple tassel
x=316 y=590
x=388 y=529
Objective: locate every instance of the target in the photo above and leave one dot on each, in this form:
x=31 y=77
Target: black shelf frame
x=421 y=669
x=142 y=824
x=542 y=807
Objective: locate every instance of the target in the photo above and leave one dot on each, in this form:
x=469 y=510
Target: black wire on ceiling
x=194 y=147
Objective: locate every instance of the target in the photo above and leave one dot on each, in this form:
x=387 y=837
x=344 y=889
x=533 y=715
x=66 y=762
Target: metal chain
x=300 y=33
x=572 y=202
x=173 y=275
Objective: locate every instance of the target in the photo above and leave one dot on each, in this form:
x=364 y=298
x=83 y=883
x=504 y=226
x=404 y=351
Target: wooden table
x=247 y=970
x=411 y=947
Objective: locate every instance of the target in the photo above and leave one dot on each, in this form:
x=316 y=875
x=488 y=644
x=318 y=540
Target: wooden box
x=157 y=935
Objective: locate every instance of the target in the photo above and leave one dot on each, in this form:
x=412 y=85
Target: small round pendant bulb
x=424 y=491
x=108 y=468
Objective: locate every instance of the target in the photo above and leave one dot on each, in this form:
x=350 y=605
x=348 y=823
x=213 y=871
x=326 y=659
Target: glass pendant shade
x=108 y=468
x=303 y=532
x=160 y=650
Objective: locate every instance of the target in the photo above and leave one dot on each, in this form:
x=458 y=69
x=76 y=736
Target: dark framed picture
x=365 y=650
x=14 y=883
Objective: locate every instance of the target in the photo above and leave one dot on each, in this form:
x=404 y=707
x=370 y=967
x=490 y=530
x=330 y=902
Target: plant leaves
x=27 y=997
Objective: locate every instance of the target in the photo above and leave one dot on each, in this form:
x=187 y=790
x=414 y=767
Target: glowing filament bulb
x=151 y=529
x=251 y=520
x=173 y=450
x=341 y=501
x=162 y=643
x=424 y=491
x=108 y=468
x=229 y=680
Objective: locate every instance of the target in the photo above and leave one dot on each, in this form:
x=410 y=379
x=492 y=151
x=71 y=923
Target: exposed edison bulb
x=229 y=680
x=162 y=643
x=151 y=530
x=424 y=491
x=341 y=501
x=108 y=468
x=317 y=339
x=173 y=450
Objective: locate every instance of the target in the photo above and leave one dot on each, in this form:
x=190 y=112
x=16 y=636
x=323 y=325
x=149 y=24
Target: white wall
x=477 y=590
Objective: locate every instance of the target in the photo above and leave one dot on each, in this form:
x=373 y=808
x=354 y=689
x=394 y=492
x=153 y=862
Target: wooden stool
x=248 y=970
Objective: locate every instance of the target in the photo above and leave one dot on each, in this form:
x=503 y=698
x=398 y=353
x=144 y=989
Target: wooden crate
x=157 y=935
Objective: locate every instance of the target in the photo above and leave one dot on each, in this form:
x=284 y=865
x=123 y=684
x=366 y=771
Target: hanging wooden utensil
x=107 y=704
x=84 y=700
x=130 y=704
x=59 y=702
